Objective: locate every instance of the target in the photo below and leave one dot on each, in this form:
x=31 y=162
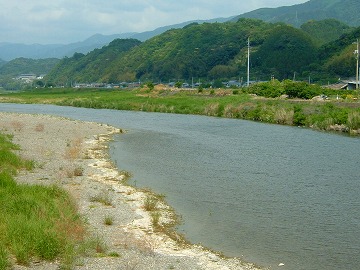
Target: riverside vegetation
x=36 y=221
x=286 y=103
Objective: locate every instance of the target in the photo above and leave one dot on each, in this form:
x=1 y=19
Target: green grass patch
x=270 y=108
x=36 y=221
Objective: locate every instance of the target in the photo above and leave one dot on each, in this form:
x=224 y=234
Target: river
x=269 y=194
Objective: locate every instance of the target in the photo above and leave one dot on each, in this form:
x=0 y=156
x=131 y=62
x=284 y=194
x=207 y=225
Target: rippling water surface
x=270 y=194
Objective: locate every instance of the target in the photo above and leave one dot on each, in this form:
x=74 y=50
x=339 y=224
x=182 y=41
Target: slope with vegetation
x=36 y=221
x=99 y=65
x=16 y=67
x=214 y=51
x=325 y=31
x=343 y=10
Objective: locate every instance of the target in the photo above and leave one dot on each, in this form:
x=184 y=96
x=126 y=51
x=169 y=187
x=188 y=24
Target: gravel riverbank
x=74 y=155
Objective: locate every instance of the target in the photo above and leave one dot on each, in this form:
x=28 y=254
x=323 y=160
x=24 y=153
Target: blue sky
x=67 y=21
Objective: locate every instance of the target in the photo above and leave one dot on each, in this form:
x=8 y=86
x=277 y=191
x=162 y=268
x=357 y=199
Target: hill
x=218 y=51
x=343 y=10
x=10 y=51
x=202 y=51
x=2 y=62
x=325 y=31
x=97 y=66
x=25 y=65
x=16 y=67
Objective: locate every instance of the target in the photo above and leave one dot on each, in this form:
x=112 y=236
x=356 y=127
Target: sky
x=68 y=21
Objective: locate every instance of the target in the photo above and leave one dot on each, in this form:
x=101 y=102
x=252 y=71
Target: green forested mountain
x=97 y=66
x=14 y=68
x=346 y=11
x=285 y=51
x=25 y=65
x=213 y=51
x=2 y=62
x=337 y=57
x=325 y=31
x=210 y=51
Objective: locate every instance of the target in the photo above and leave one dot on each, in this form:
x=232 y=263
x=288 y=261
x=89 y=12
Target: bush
x=271 y=89
x=299 y=117
x=301 y=90
x=150 y=203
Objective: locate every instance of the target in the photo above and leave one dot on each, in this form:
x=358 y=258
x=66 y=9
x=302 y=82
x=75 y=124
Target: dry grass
x=102 y=197
x=79 y=171
x=150 y=203
x=73 y=149
x=212 y=109
x=17 y=125
x=40 y=127
x=284 y=117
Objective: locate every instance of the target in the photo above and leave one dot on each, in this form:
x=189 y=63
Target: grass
x=109 y=220
x=102 y=197
x=36 y=221
x=155 y=219
x=150 y=203
x=218 y=103
x=73 y=149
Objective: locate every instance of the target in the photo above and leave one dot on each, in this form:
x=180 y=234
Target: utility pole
x=357 y=64
x=248 y=64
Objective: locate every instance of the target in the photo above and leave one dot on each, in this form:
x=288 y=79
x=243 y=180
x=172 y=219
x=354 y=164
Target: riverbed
x=269 y=194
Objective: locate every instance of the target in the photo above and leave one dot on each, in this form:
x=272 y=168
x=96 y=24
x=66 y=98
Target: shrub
x=109 y=220
x=150 y=203
x=78 y=171
x=299 y=116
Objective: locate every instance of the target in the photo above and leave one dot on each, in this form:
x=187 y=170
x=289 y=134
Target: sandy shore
x=61 y=148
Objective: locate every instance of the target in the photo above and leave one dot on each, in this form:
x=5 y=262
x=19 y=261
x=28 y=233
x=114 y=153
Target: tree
x=285 y=51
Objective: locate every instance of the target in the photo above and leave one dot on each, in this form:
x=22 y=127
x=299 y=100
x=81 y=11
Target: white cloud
x=64 y=21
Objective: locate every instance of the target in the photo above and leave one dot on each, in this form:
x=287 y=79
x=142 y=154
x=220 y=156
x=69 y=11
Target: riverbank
x=339 y=115
x=74 y=155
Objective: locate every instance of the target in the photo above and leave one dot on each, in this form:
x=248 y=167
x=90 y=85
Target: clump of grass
x=71 y=172
x=17 y=125
x=353 y=120
x=125 y=175
x=39 y=127
x=79 y=171
x=99 y=245
x=73 y=149
x=114 y=254
x=36 y=221
x=109 y=220
x=102 y=197
x=150 y=203
x=93 y=245
x=155 y=219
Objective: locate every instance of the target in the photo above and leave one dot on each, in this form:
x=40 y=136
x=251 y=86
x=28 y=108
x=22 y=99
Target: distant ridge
x=346 y=11
x=10 y=51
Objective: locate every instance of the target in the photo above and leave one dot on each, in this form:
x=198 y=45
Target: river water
x=266 y=193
